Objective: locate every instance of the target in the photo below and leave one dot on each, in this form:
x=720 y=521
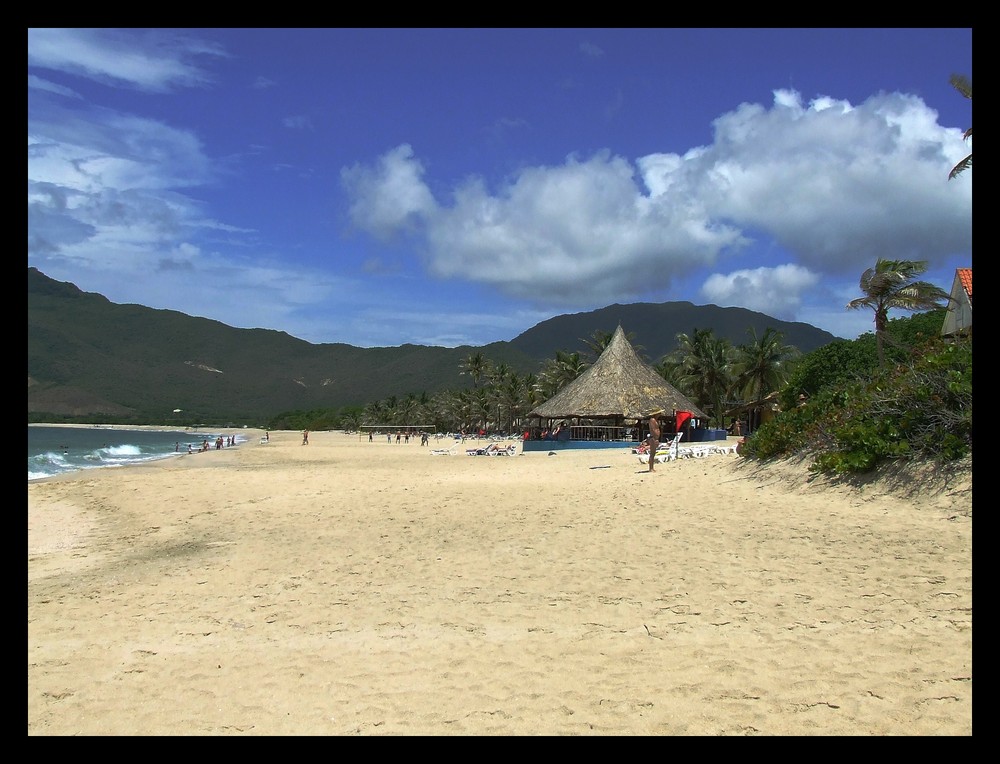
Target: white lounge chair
x=664 y=453
x=493 y=449
x=728 y=448
x=698 y=451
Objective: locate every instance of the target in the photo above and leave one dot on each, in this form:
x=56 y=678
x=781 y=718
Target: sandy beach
x=356 y=588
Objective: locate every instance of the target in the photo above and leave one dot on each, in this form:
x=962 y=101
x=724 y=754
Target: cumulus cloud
x=821 y=187
x=389 y=196
x=832 y=185
x=838 y=185
x=774 y=291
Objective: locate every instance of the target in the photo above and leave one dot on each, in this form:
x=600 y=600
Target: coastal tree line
x=899 y=391
x=716 y=374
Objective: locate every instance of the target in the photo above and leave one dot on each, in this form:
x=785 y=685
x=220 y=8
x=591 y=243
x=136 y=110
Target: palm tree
x=763 y=363
x=476 y=366
x=374 y=413
x=407 y=409
x=890 y=284
x=499 y=373
x=512 y=396
x=963 y=85
x=560 y=371
x=600 y=340
x=669 y=367
x=706 y=368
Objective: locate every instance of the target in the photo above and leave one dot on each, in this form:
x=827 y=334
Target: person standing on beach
x=653 y=440
x=305 y=437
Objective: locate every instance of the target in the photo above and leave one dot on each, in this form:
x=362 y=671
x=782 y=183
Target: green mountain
x=653 y=328
x=89 y=357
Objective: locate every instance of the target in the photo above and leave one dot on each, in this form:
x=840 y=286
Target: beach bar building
x=608 y=405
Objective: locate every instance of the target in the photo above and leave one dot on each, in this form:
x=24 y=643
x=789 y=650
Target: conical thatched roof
x=619 y=384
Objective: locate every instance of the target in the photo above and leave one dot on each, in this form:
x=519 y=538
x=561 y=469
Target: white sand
x=355 y=588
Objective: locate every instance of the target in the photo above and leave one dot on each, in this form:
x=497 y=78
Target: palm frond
x=965 y=164
x=962 y=84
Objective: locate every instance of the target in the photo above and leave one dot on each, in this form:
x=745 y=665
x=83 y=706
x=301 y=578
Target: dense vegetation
x=860 y=413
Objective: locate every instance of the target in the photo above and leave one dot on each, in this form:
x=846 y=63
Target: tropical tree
x=707 y=368
x=597 y=343
x=670 y=368
x=891 y=284
x=560 y=371
x=481 y=406
x=408 y=409
x=374 y=413
x=963 y=85
x=476 y=365
x=512 y=399
x=498 y=373
x=449 y=408
x=763 y=363
x=600 y=340
x=391 y=410
x=350 y=420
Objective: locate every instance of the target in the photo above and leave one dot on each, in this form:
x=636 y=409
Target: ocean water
x=57 y=450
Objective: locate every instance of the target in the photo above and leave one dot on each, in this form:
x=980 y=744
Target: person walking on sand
x=305 y=437
x=653 y=440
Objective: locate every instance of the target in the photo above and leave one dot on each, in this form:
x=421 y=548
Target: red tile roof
x=965 y=276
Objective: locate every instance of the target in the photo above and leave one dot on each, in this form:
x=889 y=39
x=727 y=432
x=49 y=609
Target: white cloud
x=840 y=186
x=832 y=185
x=828 y=185
x=103 y=191
x=391 y=195
x=298 y=122
x=774 y=291
x=153 y=60
x=38 y=83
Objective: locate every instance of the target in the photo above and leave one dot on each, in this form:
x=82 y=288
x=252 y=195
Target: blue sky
x=457 y=186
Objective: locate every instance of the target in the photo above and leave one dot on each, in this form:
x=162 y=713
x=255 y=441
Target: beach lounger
x=698 y=451
x=665 y=453
x=726 y=449
x=493 y=449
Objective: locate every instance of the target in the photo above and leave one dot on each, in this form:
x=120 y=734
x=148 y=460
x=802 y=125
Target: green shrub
x=919 y=407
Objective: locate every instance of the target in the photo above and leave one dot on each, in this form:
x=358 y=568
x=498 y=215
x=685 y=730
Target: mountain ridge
x=88 y=356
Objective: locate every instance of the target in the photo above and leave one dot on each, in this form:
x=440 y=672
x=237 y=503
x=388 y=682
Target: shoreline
x=355 y=588
x=156 y=427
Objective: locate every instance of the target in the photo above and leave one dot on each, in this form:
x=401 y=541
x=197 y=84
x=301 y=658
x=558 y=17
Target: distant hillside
x=90 y=357
x=655 y=326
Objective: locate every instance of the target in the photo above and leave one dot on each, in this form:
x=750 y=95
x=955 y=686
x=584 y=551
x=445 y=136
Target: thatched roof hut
x=619 y=386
